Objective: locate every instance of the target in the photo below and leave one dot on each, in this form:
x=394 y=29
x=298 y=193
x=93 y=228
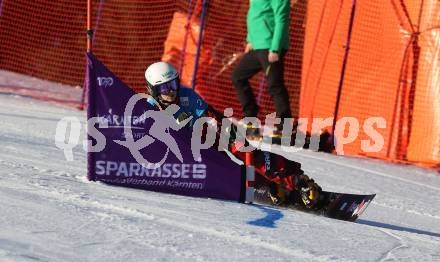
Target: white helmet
x=158 y=74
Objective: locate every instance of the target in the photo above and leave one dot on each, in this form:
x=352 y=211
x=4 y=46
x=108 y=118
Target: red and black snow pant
x=272 y=168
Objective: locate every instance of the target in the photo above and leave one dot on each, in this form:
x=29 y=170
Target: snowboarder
x=285 y=179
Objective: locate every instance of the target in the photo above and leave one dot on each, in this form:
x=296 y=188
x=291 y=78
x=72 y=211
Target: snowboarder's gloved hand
x=281 y=186
x=310 y=191
x=278 y=194
x=181 y=118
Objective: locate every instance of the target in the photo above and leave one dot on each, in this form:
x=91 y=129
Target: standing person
x=267 y=42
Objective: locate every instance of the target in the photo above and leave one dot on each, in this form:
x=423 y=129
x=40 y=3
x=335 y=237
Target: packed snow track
x=50 y=212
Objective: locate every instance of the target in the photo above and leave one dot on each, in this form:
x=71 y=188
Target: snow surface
x=28 y=86
x=50 y=212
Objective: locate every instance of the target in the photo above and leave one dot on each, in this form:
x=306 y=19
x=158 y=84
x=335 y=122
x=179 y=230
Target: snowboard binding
x=306 y=193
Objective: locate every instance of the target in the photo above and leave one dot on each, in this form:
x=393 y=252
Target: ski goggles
x=168 y=87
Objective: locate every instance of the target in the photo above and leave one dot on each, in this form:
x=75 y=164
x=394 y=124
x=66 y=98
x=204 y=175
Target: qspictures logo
x=346 y=131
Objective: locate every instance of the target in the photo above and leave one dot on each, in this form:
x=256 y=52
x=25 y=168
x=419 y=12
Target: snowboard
x=335 y=205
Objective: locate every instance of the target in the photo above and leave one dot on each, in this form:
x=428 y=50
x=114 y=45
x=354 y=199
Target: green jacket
x=268 y=24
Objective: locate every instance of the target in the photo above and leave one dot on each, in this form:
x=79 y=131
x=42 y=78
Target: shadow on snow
x=272 y=215
x=398 y=228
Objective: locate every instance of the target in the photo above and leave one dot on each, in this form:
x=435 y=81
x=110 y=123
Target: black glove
x=181 y=118
x=278 y=194
x=310 y=191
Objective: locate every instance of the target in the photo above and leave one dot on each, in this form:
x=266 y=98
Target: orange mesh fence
x=46 y=39
x=131 y=35
x=391 y=66
x=224 y=43
x=43 y=39
x=392 y=71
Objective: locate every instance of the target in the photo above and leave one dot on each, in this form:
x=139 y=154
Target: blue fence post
x=98 y=17
x=344 y=65
x=199 y=43
x=185 y=39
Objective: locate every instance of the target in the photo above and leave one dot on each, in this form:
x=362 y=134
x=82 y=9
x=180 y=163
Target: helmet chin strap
x=165 y=104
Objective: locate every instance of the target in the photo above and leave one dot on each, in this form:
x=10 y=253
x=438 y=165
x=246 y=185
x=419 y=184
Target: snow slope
x=50 y=212
x=28 y=86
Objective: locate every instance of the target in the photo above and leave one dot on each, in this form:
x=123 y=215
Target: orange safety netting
x=392 y=71
x=43 y=39
x=391 y=67
x=46 y=39
x=223 y=44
